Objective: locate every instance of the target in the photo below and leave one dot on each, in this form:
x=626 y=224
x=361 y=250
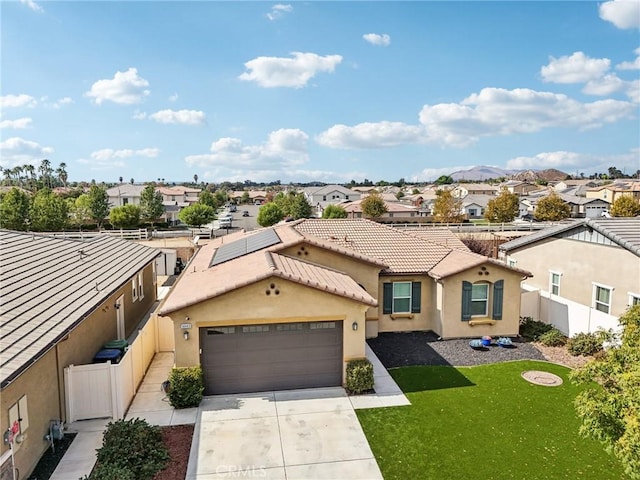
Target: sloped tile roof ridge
x=541 y=234
x=625 y=231
x=322 y=243
x=466 y=260
x=319 y=277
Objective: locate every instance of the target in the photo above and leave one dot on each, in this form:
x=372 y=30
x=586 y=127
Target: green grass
x=484 y=422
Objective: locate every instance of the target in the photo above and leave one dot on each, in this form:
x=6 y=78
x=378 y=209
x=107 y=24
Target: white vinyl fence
x=567 y=316
x=103 y=390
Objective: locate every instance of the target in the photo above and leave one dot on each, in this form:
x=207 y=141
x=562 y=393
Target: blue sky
x=319 y=91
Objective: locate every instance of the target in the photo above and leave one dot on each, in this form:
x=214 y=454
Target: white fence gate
x=103 y=390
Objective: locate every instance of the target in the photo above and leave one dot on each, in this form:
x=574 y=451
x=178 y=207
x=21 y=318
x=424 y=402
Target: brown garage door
x=254 y=358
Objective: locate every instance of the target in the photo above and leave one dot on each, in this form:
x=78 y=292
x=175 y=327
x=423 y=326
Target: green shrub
x=584 y=344
x=131 y=449
x=532 y=329
x=186 y=386
x=359 y=376
x=552 y=338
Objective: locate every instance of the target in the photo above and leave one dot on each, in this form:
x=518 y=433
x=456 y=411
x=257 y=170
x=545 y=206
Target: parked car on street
x=245 y=213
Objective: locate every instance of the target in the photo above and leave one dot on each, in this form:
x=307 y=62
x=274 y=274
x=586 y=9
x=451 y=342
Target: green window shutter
x=466 y=301
x=415 y=297
x=387 y=297
x=498 y=294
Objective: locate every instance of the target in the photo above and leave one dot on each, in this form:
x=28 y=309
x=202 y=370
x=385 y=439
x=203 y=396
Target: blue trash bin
x=108 y=354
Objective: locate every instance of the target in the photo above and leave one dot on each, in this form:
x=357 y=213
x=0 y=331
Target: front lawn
x=484 y=422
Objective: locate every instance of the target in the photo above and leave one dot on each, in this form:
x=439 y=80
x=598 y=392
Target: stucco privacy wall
x=454 y=327
x=251 y=305
x=42 y=406
x=580 y=264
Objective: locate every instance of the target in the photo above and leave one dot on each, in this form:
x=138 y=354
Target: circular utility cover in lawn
x=545 y=379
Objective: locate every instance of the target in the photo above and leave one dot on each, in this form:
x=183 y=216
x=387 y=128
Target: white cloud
x=173 y=98
x=492 y=112
x=32 y=5
x=431 y=174
x=110 y=153
x=377 y=39
x=622 y=13
x=138 y=115
x=15 y=101
x=371 y=135
x=16 y=124
x=62 y=101
x=577 y=68
x=293 y=72
x=635 y=65
x=278 y=10
x=570 y=162
x=18 y=151
x=124 y=88
x=284 y=148
x=184 y=117
x=605 y=86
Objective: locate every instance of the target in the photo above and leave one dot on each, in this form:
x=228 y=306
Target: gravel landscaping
x=424 y=348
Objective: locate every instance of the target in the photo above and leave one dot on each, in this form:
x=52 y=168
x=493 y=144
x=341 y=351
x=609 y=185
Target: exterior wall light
x=354 y=326
x=185 y=334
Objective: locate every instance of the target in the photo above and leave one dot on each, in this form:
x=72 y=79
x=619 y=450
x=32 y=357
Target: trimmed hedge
x=186 y=387
x=533 y=329
x=359 y=376
x=131 y=449
x=553 y=338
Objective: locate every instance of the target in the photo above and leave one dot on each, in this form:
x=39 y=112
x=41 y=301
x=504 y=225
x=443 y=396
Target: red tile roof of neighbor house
x=390 y=249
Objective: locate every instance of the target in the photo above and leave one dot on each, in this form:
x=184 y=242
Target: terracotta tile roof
x=403 y=253
x=200 y=281
x=441 y=235
x=48 y=285
x=458 y=261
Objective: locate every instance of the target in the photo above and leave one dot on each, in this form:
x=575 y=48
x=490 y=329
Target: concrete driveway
x=294 y=434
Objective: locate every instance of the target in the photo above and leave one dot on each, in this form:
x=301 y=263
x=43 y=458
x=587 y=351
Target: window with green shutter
x=498 y=290
x=401 y=297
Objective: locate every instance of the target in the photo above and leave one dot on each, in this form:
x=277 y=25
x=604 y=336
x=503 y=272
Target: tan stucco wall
x=43 y=382
x=454 y=327
x=363 y=273
x=251 y=305
x=38 y=382
x=580 y=264
x=415 y=321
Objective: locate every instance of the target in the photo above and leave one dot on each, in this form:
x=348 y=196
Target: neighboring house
x=62 y=300
x=518 y=187
x=125 y=194
x=321 y=197
x=288 y=306
x=474 y=205
x=582 y=207
x=573 y=184
x=613 y=191
x=396 y=212
x=585 y=272
x=464 y=189
x=176 y=198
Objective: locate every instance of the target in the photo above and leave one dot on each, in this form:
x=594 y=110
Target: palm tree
x=195 y=179
x=120 y=178
x=45 y=172
x=62 y=173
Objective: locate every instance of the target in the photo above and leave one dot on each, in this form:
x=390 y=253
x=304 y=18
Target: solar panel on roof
x=244 y=246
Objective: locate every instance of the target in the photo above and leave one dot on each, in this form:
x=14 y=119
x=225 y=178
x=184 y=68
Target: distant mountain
x=478 y=174
x=549 y=175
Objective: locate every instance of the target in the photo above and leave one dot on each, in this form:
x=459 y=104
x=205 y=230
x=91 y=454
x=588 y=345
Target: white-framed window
x=479 y=299
x=134 y=289
x=140 y=286
x=602 y=297
x=401 y=297
x=554 y=282
x=634 y=299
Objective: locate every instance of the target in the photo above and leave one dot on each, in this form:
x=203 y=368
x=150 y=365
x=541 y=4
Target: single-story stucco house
x=61 y=300
x=288 y=306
